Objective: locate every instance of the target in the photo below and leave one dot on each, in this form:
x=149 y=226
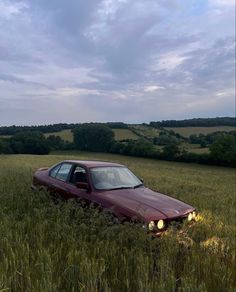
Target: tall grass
x=65 y=247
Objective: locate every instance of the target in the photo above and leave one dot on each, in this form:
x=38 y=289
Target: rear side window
x=79 y=175
x=64 y=171
x=54 y=171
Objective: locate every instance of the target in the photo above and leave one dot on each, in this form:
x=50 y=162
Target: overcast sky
x=115 y=60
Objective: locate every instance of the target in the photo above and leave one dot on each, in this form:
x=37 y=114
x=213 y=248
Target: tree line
x=100 y=138
x=201 y=122
x=12 y=130
x=197 y=122
x=33 y=142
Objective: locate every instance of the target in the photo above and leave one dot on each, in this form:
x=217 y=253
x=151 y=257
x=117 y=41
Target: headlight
x=190 y=217
x=160 y=224
x=194 y=215
x=151 y=225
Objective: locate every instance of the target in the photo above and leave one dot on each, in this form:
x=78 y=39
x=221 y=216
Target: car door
x=59 y=177
x=79 y=175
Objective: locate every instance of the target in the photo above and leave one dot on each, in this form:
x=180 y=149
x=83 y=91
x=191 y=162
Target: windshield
x=114 y=177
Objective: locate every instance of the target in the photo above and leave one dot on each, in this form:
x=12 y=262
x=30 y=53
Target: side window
x=54 y=171
x=79 y=175
x=64 y=171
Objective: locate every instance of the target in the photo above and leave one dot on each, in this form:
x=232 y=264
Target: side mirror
x=82 y=185
x=141 y=179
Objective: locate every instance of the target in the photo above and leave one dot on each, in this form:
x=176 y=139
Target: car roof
x=92 y=163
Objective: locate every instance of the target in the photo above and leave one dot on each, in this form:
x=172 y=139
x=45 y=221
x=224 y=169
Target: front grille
x=177 y=222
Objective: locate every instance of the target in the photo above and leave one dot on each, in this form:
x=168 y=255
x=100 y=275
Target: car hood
x=149 y=205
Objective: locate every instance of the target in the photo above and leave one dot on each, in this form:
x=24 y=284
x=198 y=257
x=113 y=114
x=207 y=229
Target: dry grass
x=148 y=132
x=195 y=148
x=65 y=135
x=187 y=131
x=122 y=134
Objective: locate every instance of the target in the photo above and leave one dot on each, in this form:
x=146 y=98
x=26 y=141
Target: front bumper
x=175 y=222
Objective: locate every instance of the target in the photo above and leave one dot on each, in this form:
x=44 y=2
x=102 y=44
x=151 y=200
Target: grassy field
x=65 y=135
x=122 y=134
x=195 y=148
x=148 y=132
x=187 y=131
x=63 y=247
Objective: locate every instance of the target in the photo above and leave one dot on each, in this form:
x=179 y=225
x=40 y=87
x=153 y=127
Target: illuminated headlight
x=151 y=225
x=160 y=224
x=190 y=217
x=194 y=215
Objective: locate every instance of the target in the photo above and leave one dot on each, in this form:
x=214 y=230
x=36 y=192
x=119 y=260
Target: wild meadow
x=66 y=247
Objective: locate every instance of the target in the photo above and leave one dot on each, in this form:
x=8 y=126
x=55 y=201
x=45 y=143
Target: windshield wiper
x=120 y=188
x=123 y=187
x=137 y=186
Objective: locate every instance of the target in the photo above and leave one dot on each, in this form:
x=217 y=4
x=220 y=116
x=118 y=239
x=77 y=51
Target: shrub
x=223 y=150
x=171 y=151
x=5 y=147
x=93 y=137
x=29 y=143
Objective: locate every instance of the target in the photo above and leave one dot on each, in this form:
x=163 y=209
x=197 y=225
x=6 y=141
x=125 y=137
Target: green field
x=187 y=131
x=64 y=247
x=195 y=148
x=123 y=134
x=65 y=135
x=148 y=132
x=120 y=134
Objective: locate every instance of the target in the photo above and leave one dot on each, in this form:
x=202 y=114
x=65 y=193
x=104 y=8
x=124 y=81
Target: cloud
x=168 y=62
x=222 y=2
x=10 y=10
x=152 y=88
x=120 y=60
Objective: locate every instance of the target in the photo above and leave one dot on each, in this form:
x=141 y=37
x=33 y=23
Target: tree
x=5 y=146
x=55 y=142
x=223 y=150
x=140 y=148
x=93 y=137
x=171 y=151
x=203 y=143
x=193 y=139
x=165 y=139
x=29 y=142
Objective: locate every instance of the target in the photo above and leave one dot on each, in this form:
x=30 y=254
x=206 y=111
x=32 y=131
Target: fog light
x=190 y=217
x=151 y=225
x=160 y=224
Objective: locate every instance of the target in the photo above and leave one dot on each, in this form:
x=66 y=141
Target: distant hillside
x=54 y=128
x=208 y=145
x=187 y=131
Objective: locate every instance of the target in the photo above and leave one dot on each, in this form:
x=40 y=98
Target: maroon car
x=114 y=187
